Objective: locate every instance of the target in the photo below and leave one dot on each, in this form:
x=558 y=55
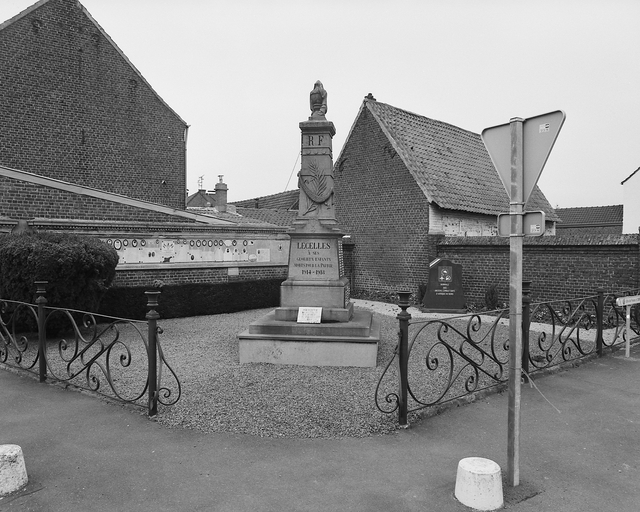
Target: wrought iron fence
x=116 y=357
x=440 y=360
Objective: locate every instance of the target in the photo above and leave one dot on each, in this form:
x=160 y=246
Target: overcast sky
x=239 y=72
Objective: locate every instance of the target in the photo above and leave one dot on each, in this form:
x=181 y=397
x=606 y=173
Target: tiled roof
x=283 y=201
x=591 y=215
x=451 y=165
x=201 y=199
x=237 y=218
x=282 y=218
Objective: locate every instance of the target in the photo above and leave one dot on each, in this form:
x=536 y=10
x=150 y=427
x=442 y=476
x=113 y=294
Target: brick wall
x=133 y=278
x=559 y=267
x=380 y=205
x=28 y=200
x=74 y=109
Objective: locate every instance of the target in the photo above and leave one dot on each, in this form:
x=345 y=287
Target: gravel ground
x=219 y=394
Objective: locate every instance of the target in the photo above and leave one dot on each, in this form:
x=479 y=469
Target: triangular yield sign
x=497 y=140
x=539 y=134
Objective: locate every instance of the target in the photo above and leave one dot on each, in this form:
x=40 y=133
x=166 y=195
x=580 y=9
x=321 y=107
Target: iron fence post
x=41 y=301
x=526 y=324
x=403 y=356
x=152 y=321
x=600 y=321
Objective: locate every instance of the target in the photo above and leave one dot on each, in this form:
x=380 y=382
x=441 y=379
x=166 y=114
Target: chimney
x=221 y=195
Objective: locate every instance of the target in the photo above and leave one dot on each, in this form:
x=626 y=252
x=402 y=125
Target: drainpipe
x=185 y=137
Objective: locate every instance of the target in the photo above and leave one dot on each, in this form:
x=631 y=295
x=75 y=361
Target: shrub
x=193 y=299
x=491 y=297
x=79 y=269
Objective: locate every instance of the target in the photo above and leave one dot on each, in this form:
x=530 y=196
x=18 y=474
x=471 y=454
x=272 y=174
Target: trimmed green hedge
x=193 y=299
x=79 y=269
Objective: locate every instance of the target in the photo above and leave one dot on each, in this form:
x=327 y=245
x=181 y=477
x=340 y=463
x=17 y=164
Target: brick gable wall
x=380 y=205
x=74 y=109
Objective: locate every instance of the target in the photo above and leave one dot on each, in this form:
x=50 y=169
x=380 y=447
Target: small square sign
x=309 y=315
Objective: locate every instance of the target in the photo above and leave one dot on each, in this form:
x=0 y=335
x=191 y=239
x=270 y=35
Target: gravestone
x=444 y=291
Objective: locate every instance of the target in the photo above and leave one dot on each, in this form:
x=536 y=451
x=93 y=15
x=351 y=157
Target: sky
x=239 y=72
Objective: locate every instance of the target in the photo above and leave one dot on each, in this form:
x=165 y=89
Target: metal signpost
x=519 y=151
x=628 y=302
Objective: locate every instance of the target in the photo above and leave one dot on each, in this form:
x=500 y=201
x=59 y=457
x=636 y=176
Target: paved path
x=83 y=454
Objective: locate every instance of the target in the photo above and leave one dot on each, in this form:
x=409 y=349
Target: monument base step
x=358 y=327
x=290 y=314
x=353 y=343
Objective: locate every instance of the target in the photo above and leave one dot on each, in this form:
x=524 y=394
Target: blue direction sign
x=539 y=133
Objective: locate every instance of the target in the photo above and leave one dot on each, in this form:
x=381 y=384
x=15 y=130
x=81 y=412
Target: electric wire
x=293 y=169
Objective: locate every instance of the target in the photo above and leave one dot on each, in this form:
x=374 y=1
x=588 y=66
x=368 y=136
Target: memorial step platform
x=353 y=343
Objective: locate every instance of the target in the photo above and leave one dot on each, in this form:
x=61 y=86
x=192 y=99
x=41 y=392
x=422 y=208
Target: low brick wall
x=142 y=278
x=559 y=267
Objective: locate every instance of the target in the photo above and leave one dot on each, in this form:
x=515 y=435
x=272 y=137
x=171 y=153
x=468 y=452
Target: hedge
x=193 y=299
x=79 y=269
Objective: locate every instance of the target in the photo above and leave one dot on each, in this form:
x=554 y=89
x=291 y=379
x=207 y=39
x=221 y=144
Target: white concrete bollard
x=479 y=484
x=13 y=473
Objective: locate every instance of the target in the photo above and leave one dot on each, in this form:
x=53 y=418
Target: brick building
x=87 y=146
x=75 y=109
x=403 y=182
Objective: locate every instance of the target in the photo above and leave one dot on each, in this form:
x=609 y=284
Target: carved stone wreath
x=315 y=185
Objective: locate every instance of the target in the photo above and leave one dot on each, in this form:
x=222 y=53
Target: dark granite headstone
x=444 y=290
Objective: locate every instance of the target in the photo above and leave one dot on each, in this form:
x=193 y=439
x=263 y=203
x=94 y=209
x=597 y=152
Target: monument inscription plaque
x=444 y=290
x=314 y=259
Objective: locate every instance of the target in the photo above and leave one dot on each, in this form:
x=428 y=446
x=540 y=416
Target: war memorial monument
x=316 y=323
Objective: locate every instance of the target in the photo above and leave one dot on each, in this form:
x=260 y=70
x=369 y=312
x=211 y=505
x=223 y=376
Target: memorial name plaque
x=314 y=259
x=309 y=315
x=444 y=290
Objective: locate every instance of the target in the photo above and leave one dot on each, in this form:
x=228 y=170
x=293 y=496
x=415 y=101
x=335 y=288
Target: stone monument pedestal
x=353 y=343
x=343 y=337
x=339 y=336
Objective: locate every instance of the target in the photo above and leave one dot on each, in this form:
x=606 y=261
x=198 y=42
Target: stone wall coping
x=576 y=240
x=164 y=229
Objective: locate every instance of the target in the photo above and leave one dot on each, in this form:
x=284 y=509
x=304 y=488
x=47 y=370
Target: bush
x=79 y=269
x=491 y=297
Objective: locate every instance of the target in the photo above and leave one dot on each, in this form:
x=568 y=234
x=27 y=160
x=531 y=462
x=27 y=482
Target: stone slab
x=359 y=327
x=303 y=293
x=290 y=314
x=311 y=349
